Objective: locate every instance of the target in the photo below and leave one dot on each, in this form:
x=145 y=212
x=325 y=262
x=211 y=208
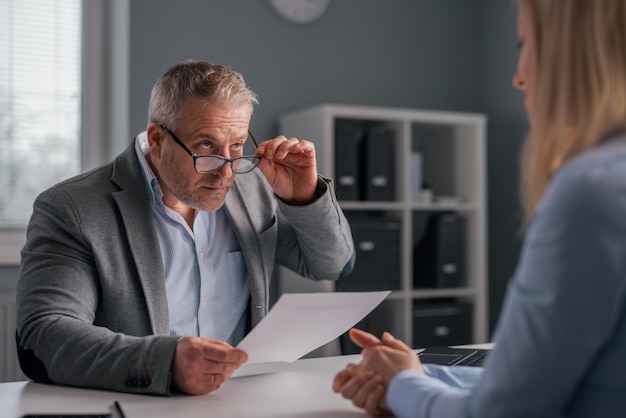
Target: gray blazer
x=91 y=301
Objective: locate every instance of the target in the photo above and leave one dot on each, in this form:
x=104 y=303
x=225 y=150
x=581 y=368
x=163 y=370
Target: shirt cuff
x=412 y=394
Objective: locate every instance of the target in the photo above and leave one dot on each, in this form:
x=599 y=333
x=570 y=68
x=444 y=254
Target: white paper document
x=298 y=323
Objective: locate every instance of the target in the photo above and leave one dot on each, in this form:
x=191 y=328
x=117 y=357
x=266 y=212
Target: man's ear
x=156 y=136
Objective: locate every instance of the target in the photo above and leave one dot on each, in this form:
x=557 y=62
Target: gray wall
x=506 y=129
x=8 y=278
x=445 y=55
x=385 y=53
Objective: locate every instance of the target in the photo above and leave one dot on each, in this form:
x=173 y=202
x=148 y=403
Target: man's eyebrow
x=208 y=137
x=243 y=138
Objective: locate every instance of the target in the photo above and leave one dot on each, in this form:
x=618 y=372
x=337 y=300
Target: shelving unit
x=452 y=148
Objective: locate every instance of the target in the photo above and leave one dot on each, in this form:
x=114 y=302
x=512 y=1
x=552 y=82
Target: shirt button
x=201 y=254
x=205 y=298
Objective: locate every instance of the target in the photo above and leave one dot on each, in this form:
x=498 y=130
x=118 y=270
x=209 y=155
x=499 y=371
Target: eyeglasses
x=209 y=164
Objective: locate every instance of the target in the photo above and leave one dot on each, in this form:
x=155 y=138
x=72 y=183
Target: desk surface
x=302 y=389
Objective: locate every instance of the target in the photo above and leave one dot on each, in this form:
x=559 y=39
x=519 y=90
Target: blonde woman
x=561 y=339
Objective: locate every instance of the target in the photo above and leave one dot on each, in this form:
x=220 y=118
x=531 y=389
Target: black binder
x=378 y=158
x=348 y=137
x=441 y=322
x=377 y=246
x=439 y=257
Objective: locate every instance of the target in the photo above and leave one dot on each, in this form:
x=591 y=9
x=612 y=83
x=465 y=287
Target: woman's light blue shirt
x=560 y=344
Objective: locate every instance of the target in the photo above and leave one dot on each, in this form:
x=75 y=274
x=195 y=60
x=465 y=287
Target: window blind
x=40 y=101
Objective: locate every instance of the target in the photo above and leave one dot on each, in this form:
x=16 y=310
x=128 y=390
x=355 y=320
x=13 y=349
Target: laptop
x=452 y=356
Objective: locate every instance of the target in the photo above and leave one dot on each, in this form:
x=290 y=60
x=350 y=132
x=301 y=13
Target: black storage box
x=439 y=257
x=441 y=323
x=377 y=265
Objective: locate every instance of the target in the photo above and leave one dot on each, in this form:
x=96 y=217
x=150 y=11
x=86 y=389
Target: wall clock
x=300 y=11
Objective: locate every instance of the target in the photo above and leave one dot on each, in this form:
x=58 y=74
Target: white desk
x=302 y=389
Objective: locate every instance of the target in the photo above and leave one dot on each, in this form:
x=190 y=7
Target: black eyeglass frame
x=196 y=157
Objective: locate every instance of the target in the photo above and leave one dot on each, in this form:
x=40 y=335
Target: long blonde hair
x=579 y=80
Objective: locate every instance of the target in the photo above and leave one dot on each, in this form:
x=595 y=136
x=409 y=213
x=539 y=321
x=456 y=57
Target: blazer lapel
x=135 y=209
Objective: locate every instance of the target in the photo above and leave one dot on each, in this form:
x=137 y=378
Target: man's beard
x=196 y=197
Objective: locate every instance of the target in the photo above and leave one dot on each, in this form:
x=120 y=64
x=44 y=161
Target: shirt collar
x=141 y=149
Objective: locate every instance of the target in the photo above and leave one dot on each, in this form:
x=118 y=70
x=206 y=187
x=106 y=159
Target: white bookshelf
x=452 y=145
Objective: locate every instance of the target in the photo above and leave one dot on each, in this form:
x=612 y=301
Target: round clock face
x=300 y=11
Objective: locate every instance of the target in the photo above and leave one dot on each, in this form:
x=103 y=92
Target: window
x=40 y=101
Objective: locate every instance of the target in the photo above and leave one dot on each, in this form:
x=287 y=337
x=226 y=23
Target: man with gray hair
x=143 y=275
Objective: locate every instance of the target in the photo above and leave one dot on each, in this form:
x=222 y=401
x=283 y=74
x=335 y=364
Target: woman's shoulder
x=602 y=165
x=595 y=177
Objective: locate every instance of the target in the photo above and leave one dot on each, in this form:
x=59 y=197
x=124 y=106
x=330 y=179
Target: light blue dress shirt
x=560 y=344
x=206 y=278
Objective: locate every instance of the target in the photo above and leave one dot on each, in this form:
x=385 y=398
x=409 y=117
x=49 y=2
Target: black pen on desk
x=118 y=407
